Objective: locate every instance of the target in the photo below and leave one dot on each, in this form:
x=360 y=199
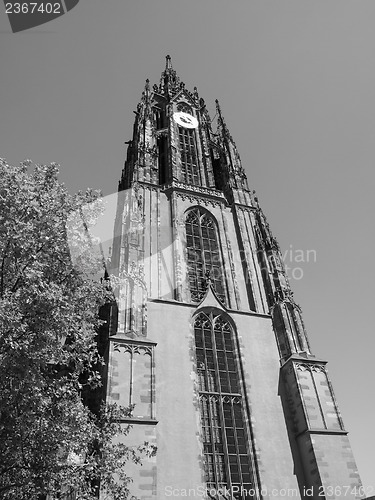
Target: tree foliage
x=49 y=321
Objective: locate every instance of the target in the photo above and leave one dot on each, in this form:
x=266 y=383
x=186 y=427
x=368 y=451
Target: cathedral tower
x=207 y=341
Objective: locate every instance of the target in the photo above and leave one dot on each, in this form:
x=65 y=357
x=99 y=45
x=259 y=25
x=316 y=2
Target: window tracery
x=189 y=160
x=185 y=108
x=227 y=460
x=203 y=255
x=138 y=386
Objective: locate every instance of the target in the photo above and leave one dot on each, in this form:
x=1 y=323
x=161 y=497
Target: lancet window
x=135 y=370
x=203 y=255
x=159 y=118
x=228 y=464
x=188 y=151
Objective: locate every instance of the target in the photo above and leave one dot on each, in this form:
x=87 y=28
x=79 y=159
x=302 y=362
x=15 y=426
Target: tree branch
x=2 y=269
x=11 y=486
x=25 y=267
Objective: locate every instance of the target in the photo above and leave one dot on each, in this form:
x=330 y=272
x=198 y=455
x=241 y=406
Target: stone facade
x=206 y=339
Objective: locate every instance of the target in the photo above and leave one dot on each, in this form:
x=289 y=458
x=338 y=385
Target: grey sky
x=296 y=83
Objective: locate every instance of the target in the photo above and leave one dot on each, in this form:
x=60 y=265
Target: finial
x=169 y=82
x=208 y=279
x=221 y=122
x=218 y=109
x=146 y=93
x=168 y=62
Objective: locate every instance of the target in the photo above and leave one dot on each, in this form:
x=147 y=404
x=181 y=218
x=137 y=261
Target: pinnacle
x=168 y=62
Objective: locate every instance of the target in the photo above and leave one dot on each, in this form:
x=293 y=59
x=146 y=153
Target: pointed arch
x=132 y=303
x=189 y=158
x=185 y=107
x=226 y=440
x=204 y=254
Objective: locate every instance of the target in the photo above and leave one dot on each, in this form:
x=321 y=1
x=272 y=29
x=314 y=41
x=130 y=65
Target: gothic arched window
x=203 y=254
x=188 y=151
x=185 y=108
x=225 y=442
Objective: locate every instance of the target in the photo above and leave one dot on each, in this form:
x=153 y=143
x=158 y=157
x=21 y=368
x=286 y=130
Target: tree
x=50 y=441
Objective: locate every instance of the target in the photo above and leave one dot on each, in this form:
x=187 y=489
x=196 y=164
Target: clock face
x=185 y=120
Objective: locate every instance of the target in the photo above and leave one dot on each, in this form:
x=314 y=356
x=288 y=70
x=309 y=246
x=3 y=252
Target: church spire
x=170 y=83
x=202 y=282
x=144 y=106
x=222 y=126
x=233 y=172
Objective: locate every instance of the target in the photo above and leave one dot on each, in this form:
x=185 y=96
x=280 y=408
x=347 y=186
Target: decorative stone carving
x=133 y=348
x=211 y=192
x=309 y=367
x=131 y=290
x=199 y=201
